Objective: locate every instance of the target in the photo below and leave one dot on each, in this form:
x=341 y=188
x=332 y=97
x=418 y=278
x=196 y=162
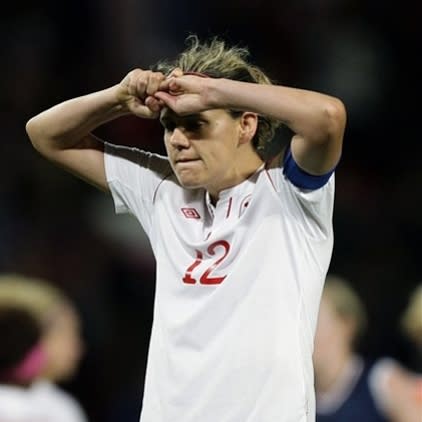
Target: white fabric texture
x=237 y=294
x=42 y=402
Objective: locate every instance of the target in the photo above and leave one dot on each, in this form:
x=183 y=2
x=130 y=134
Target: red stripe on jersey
x=229 y=207
x=271 y=180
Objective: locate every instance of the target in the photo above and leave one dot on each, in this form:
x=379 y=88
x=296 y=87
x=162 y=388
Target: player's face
x=202 y=148
x=334 y=334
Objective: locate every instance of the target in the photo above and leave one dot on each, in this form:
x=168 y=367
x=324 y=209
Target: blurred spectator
x=412 y=318
x=349 y=387
x=22 y=360
x=401 y=390
x=59 y=340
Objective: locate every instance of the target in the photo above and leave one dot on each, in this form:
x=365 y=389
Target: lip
x=186 y=160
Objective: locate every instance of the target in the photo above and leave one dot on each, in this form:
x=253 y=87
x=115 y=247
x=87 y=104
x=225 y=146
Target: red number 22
x=205 y=277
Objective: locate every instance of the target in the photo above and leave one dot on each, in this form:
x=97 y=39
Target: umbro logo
x=190 y=213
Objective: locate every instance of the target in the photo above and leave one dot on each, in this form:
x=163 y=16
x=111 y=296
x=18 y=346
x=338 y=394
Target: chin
x=189 y=181
x=189 y=184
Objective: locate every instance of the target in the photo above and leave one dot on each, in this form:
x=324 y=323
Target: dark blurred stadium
x=55 y=226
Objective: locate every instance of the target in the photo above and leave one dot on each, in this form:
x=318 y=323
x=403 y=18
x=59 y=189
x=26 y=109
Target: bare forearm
x=65 y=124
x=312 y=115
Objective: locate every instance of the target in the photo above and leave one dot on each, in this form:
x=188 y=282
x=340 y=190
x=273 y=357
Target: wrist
x=117 y=100
x=224 y=93
x=214 y=93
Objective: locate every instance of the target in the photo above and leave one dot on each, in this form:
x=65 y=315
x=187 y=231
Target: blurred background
x=55 y=226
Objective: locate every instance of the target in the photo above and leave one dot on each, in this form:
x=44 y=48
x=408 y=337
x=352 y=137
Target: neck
x=237 y=175
x=329 y=371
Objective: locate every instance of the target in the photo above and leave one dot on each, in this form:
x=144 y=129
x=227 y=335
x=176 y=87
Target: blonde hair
x=216 y=59
x=36 y=296
x=411 y=320
x=346 y=302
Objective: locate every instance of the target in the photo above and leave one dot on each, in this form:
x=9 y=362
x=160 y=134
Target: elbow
x=36 y=134
x=31 y=131
x=335 y=117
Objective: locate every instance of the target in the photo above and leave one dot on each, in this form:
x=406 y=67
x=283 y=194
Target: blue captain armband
x=300 y=178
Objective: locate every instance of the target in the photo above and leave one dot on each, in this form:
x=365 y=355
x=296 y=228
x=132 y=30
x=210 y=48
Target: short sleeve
x=300 y=178
x=133 y=177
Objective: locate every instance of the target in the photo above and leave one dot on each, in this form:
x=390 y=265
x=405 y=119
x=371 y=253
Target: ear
x=248 y=125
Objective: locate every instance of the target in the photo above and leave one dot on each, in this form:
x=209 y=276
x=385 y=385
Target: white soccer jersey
x=42 y=402
x=237 y=294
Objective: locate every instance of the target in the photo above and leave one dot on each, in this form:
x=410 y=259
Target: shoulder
x=12 y=394
x=131 y=164
x=396 y=389
x=58 y=399
x=133 y=154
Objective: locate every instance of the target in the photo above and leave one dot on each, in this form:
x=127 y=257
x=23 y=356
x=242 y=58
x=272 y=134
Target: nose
x=178 y=139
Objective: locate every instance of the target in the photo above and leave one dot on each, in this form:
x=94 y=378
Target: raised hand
x=185 y=93
x=136 y=93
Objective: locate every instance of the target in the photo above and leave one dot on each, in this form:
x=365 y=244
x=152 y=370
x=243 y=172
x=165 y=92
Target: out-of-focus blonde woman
x=60 y=338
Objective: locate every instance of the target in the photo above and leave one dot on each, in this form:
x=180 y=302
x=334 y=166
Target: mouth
x=186 y=160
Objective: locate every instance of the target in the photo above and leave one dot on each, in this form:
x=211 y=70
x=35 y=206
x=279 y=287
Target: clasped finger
x=154 y=82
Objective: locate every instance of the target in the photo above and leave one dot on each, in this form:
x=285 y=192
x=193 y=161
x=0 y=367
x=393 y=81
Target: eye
x=168 y=125
x=194 y=125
